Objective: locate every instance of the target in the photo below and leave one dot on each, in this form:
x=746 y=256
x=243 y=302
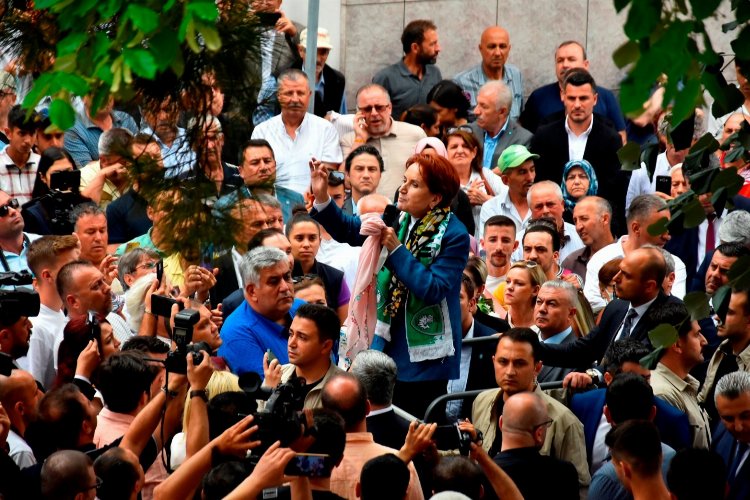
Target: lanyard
x=4 y=261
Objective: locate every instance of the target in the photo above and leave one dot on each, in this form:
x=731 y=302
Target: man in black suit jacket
x=732 y=441
x=638 y=287
x=588 y=137
x=524 y=427
x=329 y=83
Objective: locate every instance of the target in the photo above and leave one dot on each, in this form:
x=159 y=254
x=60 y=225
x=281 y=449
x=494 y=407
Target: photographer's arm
x=268 y=472
x=418 y=439
x=183 y=481
x=149 y=321
x=503 y=485
x=197 y=427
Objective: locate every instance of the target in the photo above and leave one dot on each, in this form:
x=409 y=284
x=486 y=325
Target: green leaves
x=697 y=304
x=626 y=53
x=663 y=335
x=143 y=18
x=658 y=227
x=704 y=8
x=630 y=156
x=643 y=17
x=141 y=61
x=61 y=114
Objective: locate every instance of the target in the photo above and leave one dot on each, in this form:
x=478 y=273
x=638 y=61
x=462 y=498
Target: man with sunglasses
x=524 y=425
x=13 y=241
x=394 y=140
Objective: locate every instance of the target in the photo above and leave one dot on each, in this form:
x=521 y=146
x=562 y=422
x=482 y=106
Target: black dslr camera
x=15 y=303
x=182 y=335
x=450 y=437
x=282 y=418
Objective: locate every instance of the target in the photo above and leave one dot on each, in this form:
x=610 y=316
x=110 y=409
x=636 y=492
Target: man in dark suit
x=624 y=356
x=329 y=83
x=731 y=439
x=524 y=427
x=554 y=313
x=583 y=135
x=638 y=286
x=364 y=166
x=494 y=129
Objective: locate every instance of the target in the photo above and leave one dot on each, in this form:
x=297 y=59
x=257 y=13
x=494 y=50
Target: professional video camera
x=182 y=335
x=282 y=418
x=63 y=196
x=18 y=302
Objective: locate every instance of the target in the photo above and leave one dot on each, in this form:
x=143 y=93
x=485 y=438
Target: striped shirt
x=315 y=138
x=82 y=141
x=18 y=182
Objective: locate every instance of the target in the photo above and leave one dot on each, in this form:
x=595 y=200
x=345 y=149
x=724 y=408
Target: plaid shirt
x=82 y=141
x=18 y=182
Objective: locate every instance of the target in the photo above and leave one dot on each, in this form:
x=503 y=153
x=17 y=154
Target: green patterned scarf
x=428 y=329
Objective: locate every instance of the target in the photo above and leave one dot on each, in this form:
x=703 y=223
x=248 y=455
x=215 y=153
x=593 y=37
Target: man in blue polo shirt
x=262 y=321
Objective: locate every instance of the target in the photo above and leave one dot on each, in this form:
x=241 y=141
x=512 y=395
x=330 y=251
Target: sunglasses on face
x=12 y=203
x=379 y=108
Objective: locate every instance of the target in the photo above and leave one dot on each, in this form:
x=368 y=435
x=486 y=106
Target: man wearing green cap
x=515 y=166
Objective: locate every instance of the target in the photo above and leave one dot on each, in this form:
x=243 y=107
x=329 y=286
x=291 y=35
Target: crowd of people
x=447 y=293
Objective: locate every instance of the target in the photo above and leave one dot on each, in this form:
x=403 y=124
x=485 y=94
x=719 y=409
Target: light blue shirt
x=558 y=337
x=490 y=143
x=472 y=80
x=178 y=158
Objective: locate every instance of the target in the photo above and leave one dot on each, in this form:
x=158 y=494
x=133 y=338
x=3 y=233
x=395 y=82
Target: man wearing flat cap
x=329 y=83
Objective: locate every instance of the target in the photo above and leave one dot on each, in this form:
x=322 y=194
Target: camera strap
x=4 y=261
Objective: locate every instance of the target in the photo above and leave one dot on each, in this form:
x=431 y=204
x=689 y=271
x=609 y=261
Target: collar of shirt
x=487 y=136
x=236 y=259
x=319 y=85
x=8 y=161
x=641 y=310
x=380 y=411
x=558 y=337
x=584 y=134
x=677 y=382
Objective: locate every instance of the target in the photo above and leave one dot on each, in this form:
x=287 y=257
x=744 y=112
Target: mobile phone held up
x=309 y=465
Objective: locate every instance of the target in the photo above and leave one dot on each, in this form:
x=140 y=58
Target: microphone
x=390 y=215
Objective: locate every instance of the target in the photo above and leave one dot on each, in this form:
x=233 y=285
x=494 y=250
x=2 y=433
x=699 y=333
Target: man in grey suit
x=494 y=128
x=554 y=313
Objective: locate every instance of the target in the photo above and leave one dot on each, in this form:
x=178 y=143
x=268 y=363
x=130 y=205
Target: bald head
x=345 y=394
x=67 y=473
x=372 y=204
x=523 y=411
x=494 y=46
x=20 y=396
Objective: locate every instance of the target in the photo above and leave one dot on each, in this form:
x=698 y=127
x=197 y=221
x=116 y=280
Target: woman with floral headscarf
x=579 y=180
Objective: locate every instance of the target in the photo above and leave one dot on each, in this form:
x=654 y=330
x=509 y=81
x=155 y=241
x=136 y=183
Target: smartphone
x=159 y=271
x=161 y=305
x=309 y=465
x=271 y=356
x=67 y=180
x=268 y=18
x=664 y=184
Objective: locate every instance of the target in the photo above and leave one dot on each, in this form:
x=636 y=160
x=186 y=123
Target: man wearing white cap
x=329 y=83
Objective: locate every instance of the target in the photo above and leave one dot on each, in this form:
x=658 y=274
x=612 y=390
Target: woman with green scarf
x=418 y=311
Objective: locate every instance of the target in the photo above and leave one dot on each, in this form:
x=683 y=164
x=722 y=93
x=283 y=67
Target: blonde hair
x=219 y=383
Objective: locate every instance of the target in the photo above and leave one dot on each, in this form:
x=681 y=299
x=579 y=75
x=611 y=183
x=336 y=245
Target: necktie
x=710 y=234
x=741 y=449
x=628 y=324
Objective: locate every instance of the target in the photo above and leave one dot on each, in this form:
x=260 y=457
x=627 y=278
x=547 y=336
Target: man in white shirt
x=296 y=136
x=645 y=211
x=499 y=242
x=46 y=256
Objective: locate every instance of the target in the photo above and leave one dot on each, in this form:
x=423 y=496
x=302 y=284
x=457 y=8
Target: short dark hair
x=255 y=143
x=352 y=407
x=420 y=114
x=123 y=379
x=414 y=33
x=675 y=314
x=448 y=94
x=117 y=473
x=326 y=321
x=638 y=443
x=17 y=119
x=330 y=436
x=385 y=466
x=364 y=149
x=629 y=397
x=144 y=344
x=224 y=410
x=257 y=240
x=468 y=285
x=578 y=77
x=525 y=335
x=733 y=250
x=697 y=474
x=299 y=218
x=573 y=42
x=746 y=291
x=223 y=479
x=65 y=474
x=61 y=415
x=539 y=226
x=499 y=220
x=459 y=474
x=654 y=268
x=623 y=351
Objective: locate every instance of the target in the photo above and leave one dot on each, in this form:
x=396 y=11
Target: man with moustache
x=296 y=136
x=160 y=121
x=262 y=321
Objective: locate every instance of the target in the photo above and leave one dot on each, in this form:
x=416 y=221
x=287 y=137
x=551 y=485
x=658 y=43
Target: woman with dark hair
x=77 y=334
x=450 y=103
x=479 y=184
x=423 y=116
x=47 y=212
x=304 y=235
x=418 y=310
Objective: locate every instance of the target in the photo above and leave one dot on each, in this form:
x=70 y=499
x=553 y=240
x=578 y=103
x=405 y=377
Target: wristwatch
x=594 y=374
x=200 y=393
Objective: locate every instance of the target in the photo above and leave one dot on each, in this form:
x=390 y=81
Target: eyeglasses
x=464 y=128
x=379 y=108
x=146 y=265
x=5 y=209
x=544 y=424
x=96 y=486
x=335 y=177
x=304 y=277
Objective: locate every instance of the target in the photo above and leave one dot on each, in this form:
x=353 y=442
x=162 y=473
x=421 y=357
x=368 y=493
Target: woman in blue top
x=419 y=316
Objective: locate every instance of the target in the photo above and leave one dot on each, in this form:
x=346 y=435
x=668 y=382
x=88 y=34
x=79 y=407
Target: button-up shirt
x=453 y=409
x=178 y=157
x=490 y=144
x=18 y=182
x=472 y=80
x=577 y=143
x=82 y=141
x=640 y=311
x=502 y=205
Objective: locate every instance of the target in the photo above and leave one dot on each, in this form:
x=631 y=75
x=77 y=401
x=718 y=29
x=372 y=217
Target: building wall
x=367 y=34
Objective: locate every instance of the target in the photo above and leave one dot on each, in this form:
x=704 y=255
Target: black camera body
x=17 y=302
x=282 y=418
x=450 y=437
x=182 y=334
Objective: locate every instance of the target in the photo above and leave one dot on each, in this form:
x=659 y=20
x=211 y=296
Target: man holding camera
x=312 y=335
